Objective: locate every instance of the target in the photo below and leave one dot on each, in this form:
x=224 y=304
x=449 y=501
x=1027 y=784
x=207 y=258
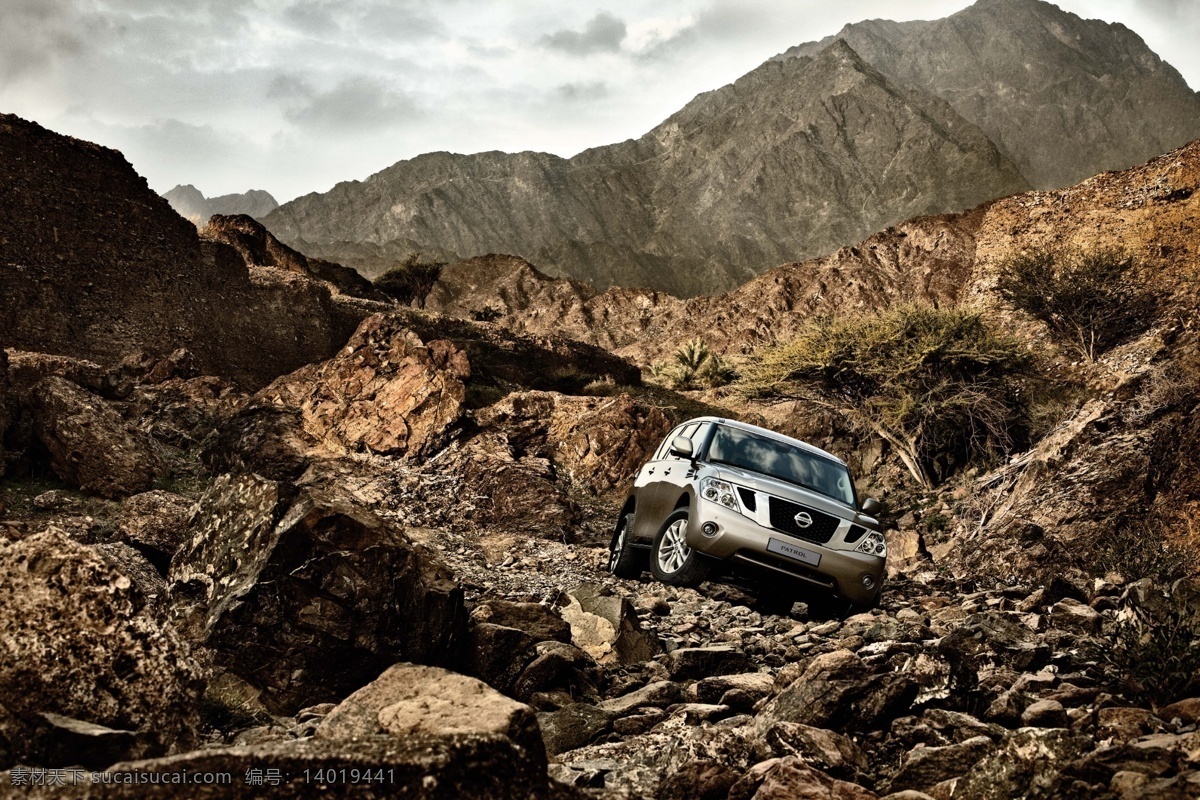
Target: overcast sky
x=293 y=96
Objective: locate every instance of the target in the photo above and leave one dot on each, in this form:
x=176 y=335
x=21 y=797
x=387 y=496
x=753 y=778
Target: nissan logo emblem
x=803 y=519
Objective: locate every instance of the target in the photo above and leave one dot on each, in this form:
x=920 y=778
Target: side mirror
x=682 y=446
x=871 y=506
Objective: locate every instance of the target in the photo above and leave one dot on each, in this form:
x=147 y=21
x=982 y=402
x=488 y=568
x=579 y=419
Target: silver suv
x=723 y=491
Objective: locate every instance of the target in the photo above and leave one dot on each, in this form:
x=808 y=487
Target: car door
x=664 y=481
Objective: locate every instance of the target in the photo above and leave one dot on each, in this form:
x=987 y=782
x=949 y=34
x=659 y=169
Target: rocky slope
x=192 y=205
x=1063 y=97
x=95 y=265
x=1151 y=210
x=791 y=160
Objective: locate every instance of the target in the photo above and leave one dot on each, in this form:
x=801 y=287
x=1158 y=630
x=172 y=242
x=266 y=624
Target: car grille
x=783 y=519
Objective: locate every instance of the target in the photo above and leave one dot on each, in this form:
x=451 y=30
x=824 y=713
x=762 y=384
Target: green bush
x=1090 y=300
x=940 y=386
x=411 y=281
x=694 y=365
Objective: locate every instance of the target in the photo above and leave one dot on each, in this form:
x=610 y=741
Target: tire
x=625 y=560
x=671 y=560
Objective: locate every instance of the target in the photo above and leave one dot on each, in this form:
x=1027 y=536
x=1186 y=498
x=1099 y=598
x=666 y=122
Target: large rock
x=408 y=700
x=1026 y=765
x=82 y=643
x=88 y=443
x=597 y=442
x=793 y=779
x=838 y=691
x=386 y=392
x=329 y=594
x=156 y=523
x=606 y=626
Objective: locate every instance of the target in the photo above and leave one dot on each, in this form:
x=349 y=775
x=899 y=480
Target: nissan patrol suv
x=723 y=492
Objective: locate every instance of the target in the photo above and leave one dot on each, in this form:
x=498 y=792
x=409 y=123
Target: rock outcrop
x=87 y=671
x=95 y=265
x=329 y=594
x=258 y=247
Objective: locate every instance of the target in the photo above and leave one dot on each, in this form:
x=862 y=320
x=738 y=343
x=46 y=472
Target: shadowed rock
x=327 y=593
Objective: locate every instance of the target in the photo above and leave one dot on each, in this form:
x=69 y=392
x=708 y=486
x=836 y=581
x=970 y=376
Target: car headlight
x=720 y=492
x=873 y=545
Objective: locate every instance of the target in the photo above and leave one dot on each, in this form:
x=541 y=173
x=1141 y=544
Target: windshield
x=780 y=460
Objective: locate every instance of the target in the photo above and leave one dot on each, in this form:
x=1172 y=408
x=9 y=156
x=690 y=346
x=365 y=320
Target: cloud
x=355 y=105
x=34 y=35
x=581 y=91
x=602 y=33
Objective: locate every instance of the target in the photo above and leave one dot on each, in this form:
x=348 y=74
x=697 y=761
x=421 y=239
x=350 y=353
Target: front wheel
x=671 y=559
x=625 y=560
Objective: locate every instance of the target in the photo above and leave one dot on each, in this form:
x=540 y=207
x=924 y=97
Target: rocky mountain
x=1063 y=97
x=791 y=160
x=191 y=204
x=388 y=561
x=814 y=150
x=95 y=265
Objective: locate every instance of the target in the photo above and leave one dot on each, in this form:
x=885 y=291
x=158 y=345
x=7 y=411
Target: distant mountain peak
x=191 y=204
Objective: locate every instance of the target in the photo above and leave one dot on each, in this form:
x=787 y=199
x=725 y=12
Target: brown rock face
x=386 y=392
x=95 y=265
x=598 y=442
x=259 y=248
x=155 y=522
x=89 y=444
x=328 y=594
x=82 y=643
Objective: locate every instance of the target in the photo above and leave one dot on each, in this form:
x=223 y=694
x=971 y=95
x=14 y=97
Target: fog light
x=709 y=529
x=868 y=582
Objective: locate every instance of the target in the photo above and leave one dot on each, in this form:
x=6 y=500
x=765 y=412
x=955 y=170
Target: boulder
x=606 y=626
x=659 y=693
x=1045 y=714
x=694 y=663
x=328 y=593
x=596 y=442
x=925 y=767
x=791 y=779
x=156 y=523
x=827 y=751
x=1072 y=615
x=88 y=443
x=1025 y=765
x=386 y=392
x=756 y=685
x=82 y=644
x=539 y=621
x=573 y=726
x=265 y=441
x=698 y=780
x=409 y=700
x=1186 y=711
x=839 y=692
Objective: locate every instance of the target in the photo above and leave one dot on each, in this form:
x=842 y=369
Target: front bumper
x=741 y=540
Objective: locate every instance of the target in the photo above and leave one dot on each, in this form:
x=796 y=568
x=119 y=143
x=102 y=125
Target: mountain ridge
x=790 y=158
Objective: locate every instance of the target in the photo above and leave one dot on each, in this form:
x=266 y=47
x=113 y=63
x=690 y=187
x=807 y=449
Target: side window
x=690 y=432
x=661 y=453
